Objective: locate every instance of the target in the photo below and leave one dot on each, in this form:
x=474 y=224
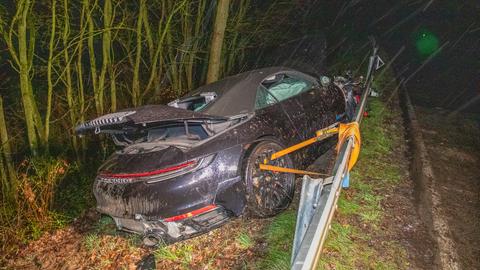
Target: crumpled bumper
x=162 y=231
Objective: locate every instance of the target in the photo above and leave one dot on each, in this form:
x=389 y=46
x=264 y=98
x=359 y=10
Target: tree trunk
x=8 y=170
x=37 y=118
x=155 y=73
x=148 y=35
x=51 y=45
x=217 y=40
x=106 y=45
x=196 y=43
x=68 y=76
x=24 y=72
x=232 y=55
x=79 y=69
x=93 y=62
x=136 y=96
x=113 y=89
x=4 y=186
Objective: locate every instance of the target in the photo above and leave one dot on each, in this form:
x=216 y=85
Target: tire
x=267 y=193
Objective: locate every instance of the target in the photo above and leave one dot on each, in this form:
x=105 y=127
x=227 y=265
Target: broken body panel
x=176 y=186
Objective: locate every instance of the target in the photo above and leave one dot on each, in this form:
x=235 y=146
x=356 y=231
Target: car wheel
x=267 y=193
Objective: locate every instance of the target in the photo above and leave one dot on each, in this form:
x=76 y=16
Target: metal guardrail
x=319 y=196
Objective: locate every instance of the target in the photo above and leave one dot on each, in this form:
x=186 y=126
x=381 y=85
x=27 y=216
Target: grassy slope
x=358 y=238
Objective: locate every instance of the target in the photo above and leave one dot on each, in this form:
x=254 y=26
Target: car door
x=304 y=105
x=323 y=105
x=280 y=90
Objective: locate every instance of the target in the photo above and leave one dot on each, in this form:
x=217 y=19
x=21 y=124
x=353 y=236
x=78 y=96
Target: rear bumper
x=170 y=232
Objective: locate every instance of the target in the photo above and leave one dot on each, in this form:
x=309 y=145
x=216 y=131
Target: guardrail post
x=311 y=191
x=346 y=180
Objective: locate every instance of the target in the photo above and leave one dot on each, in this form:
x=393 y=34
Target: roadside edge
x=429 y=204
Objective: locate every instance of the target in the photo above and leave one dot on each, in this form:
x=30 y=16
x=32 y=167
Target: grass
x=182 y=253
x=279 y=236
x=360 y=212
x=91 y=241
x=102 y=240
x=105 y=225
x=244 y=240
x=230 y=247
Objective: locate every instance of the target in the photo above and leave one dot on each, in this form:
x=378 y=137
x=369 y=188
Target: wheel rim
x=272 y=190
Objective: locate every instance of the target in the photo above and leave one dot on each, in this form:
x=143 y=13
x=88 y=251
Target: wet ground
x=453 y=149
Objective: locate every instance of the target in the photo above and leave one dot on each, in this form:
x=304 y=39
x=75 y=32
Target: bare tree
x=22 y=56
x=217 y=40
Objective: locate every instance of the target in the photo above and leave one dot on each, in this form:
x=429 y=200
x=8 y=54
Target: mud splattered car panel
x=181 y=163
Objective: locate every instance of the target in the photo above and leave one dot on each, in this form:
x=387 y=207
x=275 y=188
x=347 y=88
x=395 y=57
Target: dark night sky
x=450 y=77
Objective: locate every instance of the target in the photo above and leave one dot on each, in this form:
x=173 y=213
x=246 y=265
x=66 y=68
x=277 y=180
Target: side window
x=278 y=88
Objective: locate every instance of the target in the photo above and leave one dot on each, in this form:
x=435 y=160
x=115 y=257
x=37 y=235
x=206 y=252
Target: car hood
x=142 y=116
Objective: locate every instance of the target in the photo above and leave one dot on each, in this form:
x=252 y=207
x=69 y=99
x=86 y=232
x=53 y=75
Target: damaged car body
x=187 y=167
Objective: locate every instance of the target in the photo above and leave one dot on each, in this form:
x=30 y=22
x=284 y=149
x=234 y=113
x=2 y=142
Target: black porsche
x=187 y=167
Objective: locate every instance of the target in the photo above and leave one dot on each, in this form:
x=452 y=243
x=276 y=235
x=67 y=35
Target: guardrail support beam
x=346 y=180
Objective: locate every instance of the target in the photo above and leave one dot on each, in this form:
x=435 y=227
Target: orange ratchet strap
x=288 y=170
x=344 y=131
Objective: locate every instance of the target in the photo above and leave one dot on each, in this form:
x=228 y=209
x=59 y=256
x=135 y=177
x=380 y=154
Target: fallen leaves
x=83 y=246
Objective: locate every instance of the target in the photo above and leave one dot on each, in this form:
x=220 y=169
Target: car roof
x=236 y=94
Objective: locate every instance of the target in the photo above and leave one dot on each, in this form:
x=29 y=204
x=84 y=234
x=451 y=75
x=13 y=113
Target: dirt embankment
x=446 y=167
x=377 y=225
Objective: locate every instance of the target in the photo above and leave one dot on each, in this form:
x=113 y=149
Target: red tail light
x=191 y=214
x=151 y=173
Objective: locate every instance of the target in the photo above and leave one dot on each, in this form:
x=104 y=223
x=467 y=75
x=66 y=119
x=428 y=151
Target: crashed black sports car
x=187 y=167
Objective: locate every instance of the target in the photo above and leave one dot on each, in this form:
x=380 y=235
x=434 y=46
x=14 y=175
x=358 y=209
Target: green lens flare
x=426 y=43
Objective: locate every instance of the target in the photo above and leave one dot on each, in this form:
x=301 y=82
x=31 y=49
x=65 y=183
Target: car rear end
x=159 y=183
x=169 y=201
